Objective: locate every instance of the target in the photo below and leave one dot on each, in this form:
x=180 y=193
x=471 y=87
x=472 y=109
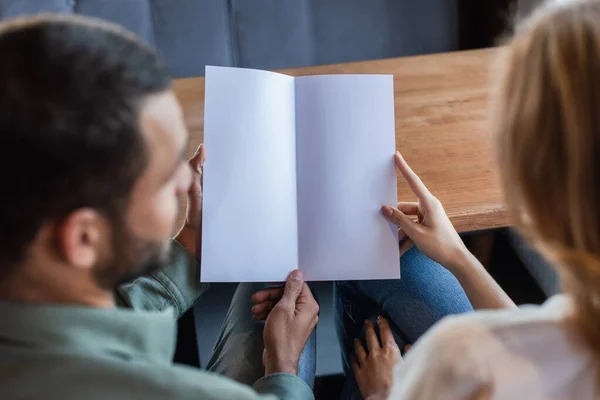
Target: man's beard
x=132 y=257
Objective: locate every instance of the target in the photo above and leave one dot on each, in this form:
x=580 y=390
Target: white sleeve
x=446 y=363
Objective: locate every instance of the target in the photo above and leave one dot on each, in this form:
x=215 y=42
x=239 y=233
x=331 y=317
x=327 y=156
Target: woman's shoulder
x=554 y=312
x=475 y=351
x=482 y=333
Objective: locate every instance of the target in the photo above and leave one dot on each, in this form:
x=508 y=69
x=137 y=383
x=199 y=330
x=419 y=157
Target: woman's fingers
x=416 y=185
x=409 y=208
x=371 y=336
x=354 y=364
x=271 y=294
x=406 y=246
x=359 y=351
x=401 y=220
x=401 y=235
x=385 y=332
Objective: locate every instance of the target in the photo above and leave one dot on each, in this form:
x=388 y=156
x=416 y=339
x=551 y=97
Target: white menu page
x=297 y=170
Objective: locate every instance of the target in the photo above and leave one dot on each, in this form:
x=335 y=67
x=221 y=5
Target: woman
x=547 y=132
x=426 y=293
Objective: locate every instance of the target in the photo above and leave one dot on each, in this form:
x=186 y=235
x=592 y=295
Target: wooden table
x=441 y=127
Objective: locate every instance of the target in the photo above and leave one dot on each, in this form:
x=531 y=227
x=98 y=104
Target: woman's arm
x=481 y=289
x=433 y=233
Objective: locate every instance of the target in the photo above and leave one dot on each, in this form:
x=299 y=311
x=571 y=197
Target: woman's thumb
x=399 y=219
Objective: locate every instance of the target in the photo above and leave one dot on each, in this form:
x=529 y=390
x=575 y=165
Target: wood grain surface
x=441 y=106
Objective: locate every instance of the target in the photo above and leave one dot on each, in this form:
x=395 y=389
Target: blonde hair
x=546 y=123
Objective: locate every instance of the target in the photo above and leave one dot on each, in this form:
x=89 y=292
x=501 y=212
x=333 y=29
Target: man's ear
x=81 y=237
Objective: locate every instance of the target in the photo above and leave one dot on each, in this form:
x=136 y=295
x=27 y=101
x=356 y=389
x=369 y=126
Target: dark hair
x=70 y=94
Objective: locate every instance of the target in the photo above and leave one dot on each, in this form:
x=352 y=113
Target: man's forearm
x=284 y=386
x=480 y=287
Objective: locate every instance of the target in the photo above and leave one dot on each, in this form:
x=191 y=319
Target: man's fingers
x=406 y=246
x=416 y=185
x=371 y=336
x=197 y=165
x=385 y=332
x=273 y=294
x=360 y=353
x=202 y=161
x=260 y=317
x=198 y=159
x=193 y=216
x=293 y=287
x=195 y=192
x=262 y=308
x=409 y=208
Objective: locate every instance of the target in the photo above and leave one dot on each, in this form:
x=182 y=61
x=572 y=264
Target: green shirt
x=68 y=352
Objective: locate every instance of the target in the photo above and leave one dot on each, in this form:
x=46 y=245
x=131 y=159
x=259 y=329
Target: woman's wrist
x=463 y=261
x=480 y=287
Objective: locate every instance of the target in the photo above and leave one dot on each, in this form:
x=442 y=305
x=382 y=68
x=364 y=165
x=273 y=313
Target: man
x=92 y=145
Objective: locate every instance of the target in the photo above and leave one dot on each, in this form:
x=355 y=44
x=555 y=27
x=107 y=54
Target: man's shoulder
x=72 y=376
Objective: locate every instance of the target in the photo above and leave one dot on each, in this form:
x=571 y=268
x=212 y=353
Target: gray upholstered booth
x=269 y=33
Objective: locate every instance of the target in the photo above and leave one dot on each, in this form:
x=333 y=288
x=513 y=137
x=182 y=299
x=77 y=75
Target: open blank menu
x=297 y=170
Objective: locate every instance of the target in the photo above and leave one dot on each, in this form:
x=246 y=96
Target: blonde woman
x=547 y=136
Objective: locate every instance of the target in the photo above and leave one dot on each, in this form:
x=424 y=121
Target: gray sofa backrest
x=269 y=34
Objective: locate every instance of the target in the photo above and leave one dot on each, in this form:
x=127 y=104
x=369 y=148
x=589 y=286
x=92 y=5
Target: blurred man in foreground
x=92 y=144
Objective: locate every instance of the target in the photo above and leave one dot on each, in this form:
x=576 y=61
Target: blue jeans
x=239 y=348
x=426 y=293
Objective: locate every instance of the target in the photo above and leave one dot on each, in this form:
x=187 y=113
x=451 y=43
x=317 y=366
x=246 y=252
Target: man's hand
x=264 y=301
x=190 y=233
x=289 y=325
x=432 y=232
x=374 y=371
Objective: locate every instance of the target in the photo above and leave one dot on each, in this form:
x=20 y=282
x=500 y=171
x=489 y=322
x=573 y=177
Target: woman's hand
x=432 y=232
x=434 y=235
x=190 y=232
x=374 y=371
